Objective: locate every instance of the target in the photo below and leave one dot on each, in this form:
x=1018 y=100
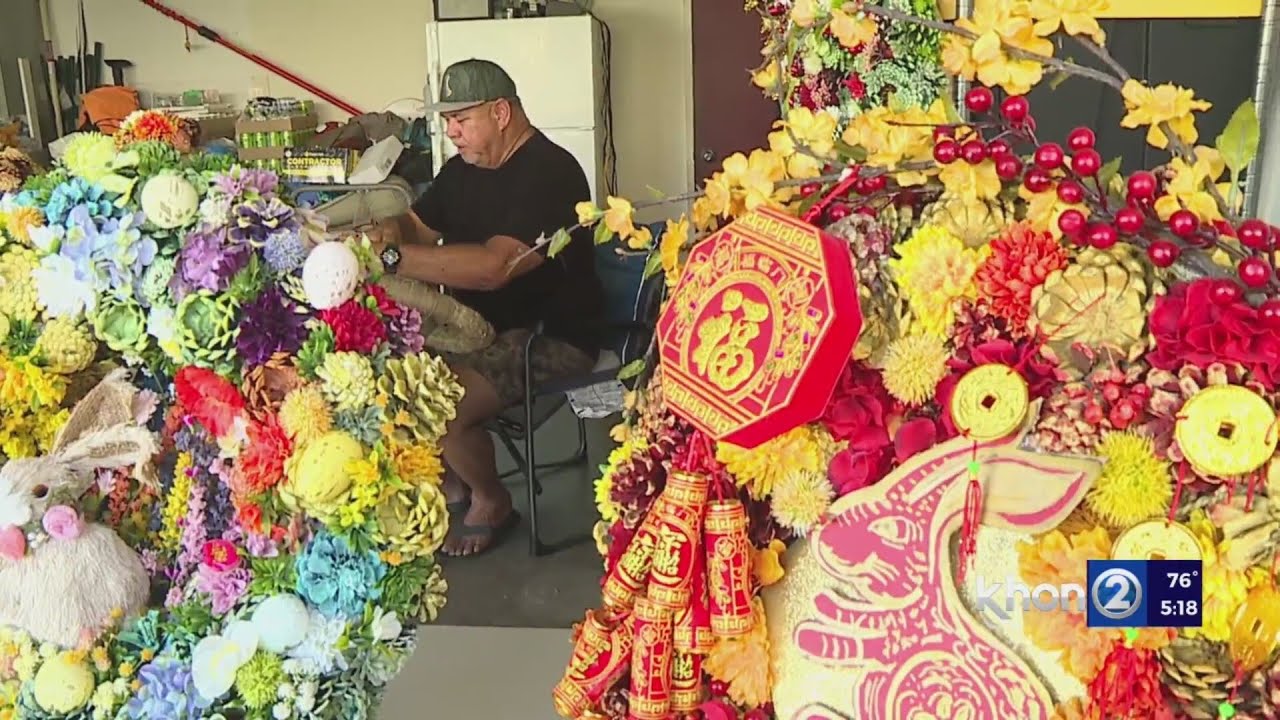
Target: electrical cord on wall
x=611 y=149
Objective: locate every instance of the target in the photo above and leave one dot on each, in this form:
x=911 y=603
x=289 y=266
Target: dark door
x=1217 y=58
x=729 y=113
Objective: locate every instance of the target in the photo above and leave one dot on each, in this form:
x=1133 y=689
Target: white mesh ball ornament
x=330 y=275
x=169 y=201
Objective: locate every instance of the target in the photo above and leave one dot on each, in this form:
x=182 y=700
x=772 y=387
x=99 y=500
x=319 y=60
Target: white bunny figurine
x=61 y=579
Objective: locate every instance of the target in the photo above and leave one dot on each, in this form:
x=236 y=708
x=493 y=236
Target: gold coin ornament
x=1226 y=431
x=1255 y=633
x=990 y=402
x=1156 y=540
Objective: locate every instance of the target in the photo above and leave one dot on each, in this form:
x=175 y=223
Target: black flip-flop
x=497 y=535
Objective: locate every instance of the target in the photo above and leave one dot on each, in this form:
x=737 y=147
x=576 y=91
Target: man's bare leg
x=469 y=451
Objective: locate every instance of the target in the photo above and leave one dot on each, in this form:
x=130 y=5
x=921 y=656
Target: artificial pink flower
x=220 y=555
x=62 y=523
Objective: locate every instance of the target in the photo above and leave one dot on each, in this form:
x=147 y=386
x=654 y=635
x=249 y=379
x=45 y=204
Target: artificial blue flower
x=337 y=579
x=78 y=192
x=166 y=691
x=284 y=251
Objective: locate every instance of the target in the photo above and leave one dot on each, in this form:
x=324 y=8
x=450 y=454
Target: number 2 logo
x=1116 y=585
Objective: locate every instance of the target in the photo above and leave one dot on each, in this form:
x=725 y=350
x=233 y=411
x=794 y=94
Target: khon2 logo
x=1118 y=594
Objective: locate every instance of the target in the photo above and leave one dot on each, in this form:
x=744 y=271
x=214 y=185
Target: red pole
x=252 y=57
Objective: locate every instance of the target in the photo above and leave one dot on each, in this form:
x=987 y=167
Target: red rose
x=859 y=409
x=913 y=437
x=852 y=469
x=1197 y=324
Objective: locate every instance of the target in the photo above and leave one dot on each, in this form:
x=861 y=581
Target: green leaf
x=1057 y=79
x=653 y=265
x=655 y=192
x=631 y=369
x=949 y=102
x=603 y=234
x=1108 y=171
x=1238 y=142
x=559 y=242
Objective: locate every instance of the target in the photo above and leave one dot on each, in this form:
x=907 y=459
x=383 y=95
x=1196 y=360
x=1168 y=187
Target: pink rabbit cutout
x=896 y=619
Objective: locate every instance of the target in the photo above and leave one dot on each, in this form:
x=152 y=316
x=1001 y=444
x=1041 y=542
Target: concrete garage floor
x=506 y=625
x=506 y=587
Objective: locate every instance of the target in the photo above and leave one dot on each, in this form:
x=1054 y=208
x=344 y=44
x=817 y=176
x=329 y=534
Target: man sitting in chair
x=508 y=186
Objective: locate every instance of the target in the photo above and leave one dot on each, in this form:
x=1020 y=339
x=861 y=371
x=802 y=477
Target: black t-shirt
x=532 y=194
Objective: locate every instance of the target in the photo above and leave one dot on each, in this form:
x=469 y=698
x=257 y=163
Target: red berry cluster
x=1073 y=173
x=1117 y=401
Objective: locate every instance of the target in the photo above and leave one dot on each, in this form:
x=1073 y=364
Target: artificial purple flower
x=404 y=331
x=224 y=588
x=165 y=689
x=246 y=184
x=271 y=324
x=207 y=262
x=253 y=222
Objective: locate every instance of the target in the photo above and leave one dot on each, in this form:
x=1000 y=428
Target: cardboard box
x=245 y=125
x=215 y=127
x=319 y=165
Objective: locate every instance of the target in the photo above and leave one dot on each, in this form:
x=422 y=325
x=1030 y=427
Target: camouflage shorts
x=502 y=363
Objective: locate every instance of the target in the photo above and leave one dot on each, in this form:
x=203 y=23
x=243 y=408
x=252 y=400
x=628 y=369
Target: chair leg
x=531 y=471
x=578 y=456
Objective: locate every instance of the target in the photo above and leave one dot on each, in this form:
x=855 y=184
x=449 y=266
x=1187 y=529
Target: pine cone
x=1199 y=676
x=266 y=386
x=423 y=388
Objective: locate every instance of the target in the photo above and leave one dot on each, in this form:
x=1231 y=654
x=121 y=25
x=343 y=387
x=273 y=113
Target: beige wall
x=373 y=52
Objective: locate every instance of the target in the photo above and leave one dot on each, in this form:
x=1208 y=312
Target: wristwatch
x=390 y=257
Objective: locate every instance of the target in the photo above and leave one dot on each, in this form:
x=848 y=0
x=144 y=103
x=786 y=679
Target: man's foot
x=484 y=526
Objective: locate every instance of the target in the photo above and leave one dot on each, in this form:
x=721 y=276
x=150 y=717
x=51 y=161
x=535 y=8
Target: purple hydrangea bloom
x=224 y=588
x=207 y=262
x=404 y=331
x=253 y=222
x=165 y=690
x=271 y=324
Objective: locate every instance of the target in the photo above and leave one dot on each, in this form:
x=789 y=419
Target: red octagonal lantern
x=757 y=332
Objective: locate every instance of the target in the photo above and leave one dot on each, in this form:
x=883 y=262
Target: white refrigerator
x=558 y=65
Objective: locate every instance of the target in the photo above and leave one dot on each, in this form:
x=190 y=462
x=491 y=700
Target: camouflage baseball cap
x=472 y=82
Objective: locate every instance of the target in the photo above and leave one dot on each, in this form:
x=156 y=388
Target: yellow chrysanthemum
x=1225 y=586
x=89 y=156
x=304 y=414
x=417 y=464
x=1134 y=484
x=800 y=500
x=759 y=469
x=17 y=289
x=933 y=270
x=913 y=367
x=1163 y=103
x=18 y=220
x=66 y=346
x=604 y=484
x=743 y=663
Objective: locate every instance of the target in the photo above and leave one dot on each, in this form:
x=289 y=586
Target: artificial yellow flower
x=756 y=175
x=932 y=270
x=997 y=23
x=1076 y=17
x=766 y=78
x=618 y=217
x=718 y=195
x=852 y=31
x=640 y=238
x=1188 y=190
x=702 y=213
x=673 y=241
x=891 y=138
x=768 y=563
x=1163 y=103
x=800 y=165
x=804 y=139
x=972 y=183
x=587 y=211
x=1044 y=209
x=804 y=12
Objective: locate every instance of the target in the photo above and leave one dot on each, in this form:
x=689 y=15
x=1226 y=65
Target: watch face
x=390 y=256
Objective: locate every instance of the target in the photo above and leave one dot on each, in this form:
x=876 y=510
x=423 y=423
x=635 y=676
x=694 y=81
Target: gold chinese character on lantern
x=723 y=354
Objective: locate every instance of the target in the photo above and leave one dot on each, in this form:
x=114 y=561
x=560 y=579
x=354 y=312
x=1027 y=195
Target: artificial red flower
x=355 y=327
x=386 y=306
x=1128 y=686
x=855 y=86
x=210 y=399
x=260 y=466
x=1020 y=260
x=1203 y=322
x=913 y=437
x=852 y=470
x=860 y=408
x=249 y=516
x=220 y=555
